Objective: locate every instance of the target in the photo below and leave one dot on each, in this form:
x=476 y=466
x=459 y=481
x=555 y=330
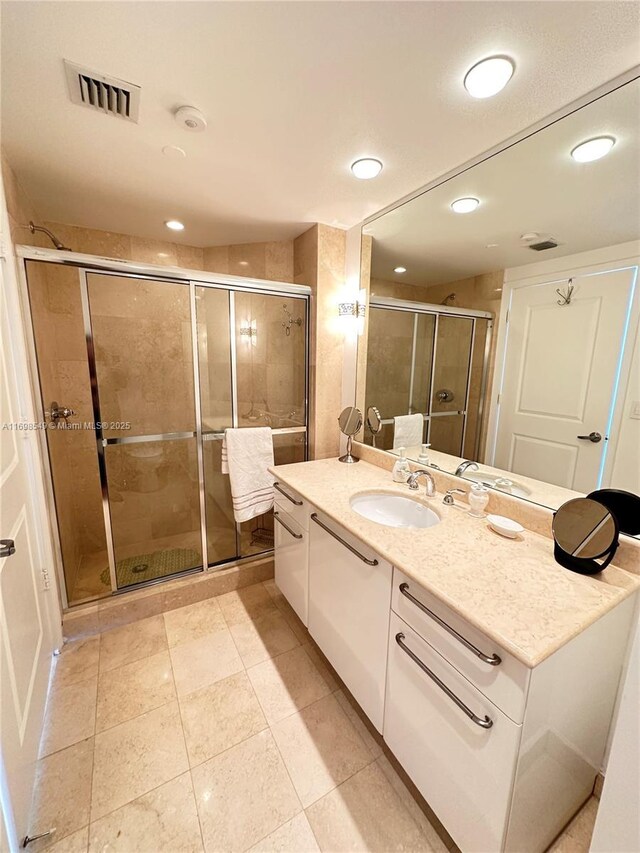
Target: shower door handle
x=595 y=437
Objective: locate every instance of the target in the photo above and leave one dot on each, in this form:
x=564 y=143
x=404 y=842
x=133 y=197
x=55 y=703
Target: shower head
x=59 y=245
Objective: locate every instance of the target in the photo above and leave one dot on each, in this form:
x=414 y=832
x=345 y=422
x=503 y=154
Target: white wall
x=617 y=828
x=626 y=461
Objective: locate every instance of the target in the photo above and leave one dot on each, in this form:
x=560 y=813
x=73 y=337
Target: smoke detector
x=191 y=119
x=101 y=92
x=530 y=237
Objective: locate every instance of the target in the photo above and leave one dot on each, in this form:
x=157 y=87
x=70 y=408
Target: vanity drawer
x=292 y=502
x=471 y=652
x=463 y=765
x=291 y=546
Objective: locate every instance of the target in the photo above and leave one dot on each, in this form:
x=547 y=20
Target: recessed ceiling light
x=243 y=263
x=367 y=167
x=464 y=205
x=174 y=225
x=593 y=149
x=400 y=269
x=491 y=246
x=488 y=77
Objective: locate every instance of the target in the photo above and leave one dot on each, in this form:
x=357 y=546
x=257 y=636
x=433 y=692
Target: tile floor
x=219 y=727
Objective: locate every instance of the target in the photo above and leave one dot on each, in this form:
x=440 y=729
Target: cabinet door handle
x=287 y=496
x=295 y=535
x=315 y=518
x=492 y=660
x=484 y=722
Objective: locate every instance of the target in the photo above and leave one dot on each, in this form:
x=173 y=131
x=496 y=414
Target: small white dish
x=504 y=526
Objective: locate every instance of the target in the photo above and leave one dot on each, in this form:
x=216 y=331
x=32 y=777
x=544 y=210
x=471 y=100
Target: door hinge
x=46 y=583
x=499 y=398
x=507 y=319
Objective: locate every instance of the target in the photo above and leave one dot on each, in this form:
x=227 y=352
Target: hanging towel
x=407 y=431
x=246 y=456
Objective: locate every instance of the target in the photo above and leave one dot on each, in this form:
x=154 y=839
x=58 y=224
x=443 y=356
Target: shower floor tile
x=261 y=750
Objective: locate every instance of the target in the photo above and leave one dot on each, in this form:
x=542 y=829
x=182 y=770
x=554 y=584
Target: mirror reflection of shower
x=289 y=322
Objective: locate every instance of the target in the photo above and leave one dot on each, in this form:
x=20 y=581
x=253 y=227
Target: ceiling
x=293 y=93
x=534 y=186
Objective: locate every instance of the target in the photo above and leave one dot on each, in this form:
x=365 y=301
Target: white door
x=561 y=365
x=26 y=631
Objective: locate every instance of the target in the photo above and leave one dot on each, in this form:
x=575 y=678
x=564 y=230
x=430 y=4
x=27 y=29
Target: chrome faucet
x=430 y=484
x=448 y=499
x=462 y=467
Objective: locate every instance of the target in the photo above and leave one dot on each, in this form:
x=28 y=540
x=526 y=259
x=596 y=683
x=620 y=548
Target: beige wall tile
x=154 y=252
x=75 y=843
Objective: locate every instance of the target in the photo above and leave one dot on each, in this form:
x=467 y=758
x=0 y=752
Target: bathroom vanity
x=490 y=671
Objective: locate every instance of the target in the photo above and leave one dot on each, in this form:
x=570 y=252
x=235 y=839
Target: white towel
x=246 y=456
x=407 y=431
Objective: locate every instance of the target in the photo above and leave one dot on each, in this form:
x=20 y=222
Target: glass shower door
x=454 y=339
x=143 y=395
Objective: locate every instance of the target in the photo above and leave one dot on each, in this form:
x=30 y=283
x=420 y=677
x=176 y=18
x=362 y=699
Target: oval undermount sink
x=393 y=510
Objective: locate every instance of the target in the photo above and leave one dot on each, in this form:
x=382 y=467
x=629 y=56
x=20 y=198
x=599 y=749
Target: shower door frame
x=86 y=264
x=390 y=303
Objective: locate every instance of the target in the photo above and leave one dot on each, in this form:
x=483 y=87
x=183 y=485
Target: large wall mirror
x=502 y=327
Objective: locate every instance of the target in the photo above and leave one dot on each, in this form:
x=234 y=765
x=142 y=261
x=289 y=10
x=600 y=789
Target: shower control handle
x=595 y=437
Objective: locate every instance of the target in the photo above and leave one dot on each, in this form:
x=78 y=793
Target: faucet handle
x=449 y=499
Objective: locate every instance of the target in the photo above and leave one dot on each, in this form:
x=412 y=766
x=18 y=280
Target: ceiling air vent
x=108 y=94
x=543 y=245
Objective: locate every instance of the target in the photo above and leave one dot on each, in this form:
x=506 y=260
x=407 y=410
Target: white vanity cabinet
x=457 y=747
x=349 y=601
x=291 y=545
x=504 y=753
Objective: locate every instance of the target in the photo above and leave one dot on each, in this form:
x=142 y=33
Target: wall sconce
x=249 y=330
x=352 y=311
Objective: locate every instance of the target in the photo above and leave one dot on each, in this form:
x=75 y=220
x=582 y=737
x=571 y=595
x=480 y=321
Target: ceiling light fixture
x=464 y=205
x=489 y=76
x=174 y=225
x=366 y=168
x=593 y=149
x=400 y=270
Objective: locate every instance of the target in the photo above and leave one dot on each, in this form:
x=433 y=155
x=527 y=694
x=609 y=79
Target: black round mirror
x=585 y=531
x=374 y=421
x=350 y=420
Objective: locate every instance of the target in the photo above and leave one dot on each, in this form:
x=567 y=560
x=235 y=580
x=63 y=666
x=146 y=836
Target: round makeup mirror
x=374 y=420
x=350 y=423
x=585 y=531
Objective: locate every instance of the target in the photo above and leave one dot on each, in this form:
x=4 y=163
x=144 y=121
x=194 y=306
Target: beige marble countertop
x=510 y=589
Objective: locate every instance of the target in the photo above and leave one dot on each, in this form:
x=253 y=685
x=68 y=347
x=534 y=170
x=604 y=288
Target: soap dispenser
x=423 y=458
x=401 y=470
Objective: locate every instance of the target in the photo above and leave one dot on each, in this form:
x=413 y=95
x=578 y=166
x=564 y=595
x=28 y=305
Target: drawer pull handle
x=315 y=518
x=484 y=722
x=287 y=496
x=295 y=535
x=493 y=660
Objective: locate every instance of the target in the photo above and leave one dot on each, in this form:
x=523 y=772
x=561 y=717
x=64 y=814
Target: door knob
x=7 y=547
x=595 y=437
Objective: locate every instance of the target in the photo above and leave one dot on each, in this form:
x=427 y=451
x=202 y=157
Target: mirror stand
x=348 y=458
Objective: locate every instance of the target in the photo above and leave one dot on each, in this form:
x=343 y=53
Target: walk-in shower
x=150 y=370
x=431 y=360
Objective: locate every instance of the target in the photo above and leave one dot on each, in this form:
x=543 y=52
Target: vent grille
x=98 y=92
x=544 y=245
